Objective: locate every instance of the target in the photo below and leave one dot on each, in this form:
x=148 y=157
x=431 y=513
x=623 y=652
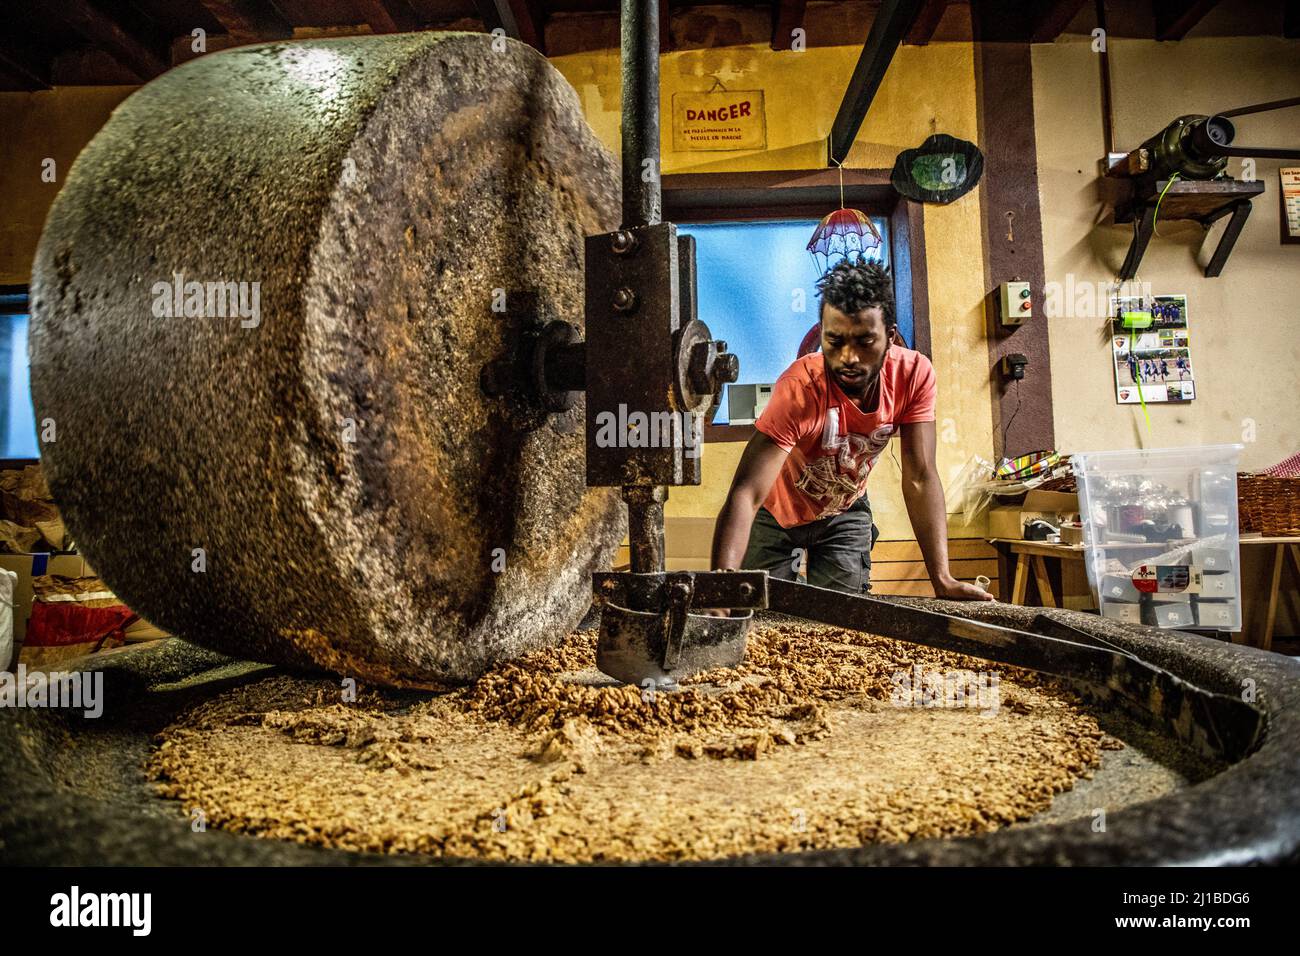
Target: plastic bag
x=969 y=492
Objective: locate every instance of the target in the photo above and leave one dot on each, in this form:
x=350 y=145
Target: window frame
x=811 y=194
x=16 y=300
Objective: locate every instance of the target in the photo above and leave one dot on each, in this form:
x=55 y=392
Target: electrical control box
x=1015 y=303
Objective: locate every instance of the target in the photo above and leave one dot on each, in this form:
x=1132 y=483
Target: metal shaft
x=642 y=196
x=642 y=206
x=645 y=526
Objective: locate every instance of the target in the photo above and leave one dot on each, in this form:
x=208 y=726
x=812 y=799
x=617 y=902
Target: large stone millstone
x=347 y=481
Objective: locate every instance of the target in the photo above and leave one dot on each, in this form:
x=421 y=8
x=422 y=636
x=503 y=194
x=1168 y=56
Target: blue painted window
x=749 y=275
x=17 y=420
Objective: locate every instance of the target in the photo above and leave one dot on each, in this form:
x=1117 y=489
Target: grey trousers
x=838 y=548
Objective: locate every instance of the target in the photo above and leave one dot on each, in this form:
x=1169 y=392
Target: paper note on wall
x=720 y=120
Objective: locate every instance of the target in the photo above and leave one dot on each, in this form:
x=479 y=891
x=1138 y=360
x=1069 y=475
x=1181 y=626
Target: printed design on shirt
x=836 y=479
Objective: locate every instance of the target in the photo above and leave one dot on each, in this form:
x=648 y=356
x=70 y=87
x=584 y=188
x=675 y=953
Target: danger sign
x=723 y=119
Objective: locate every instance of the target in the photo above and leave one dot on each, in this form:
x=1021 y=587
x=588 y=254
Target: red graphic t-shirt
x=833 y=444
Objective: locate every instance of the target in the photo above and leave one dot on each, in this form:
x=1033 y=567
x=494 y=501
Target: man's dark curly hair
x=852 y=286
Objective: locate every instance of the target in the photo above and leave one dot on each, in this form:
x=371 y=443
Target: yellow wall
x=926 y=89
x=53 y=124
x=1245 y=324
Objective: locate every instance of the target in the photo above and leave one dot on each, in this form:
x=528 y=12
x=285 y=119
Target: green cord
x=1155 y=220
x=1132 y=336
x=1137 y=379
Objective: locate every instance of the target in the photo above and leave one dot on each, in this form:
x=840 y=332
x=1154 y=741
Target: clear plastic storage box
x=1160 y=528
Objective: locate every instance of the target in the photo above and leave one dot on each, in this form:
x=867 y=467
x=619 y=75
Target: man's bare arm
x=923 y=494
x=759 y=466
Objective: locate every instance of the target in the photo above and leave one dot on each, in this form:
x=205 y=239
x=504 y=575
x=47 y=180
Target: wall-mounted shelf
x=1202 y=201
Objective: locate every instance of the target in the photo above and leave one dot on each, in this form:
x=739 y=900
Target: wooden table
x=1281 y=548
x=1032 y=557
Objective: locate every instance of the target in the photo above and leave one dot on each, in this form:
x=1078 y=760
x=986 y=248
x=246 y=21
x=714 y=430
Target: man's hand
x=953 y=590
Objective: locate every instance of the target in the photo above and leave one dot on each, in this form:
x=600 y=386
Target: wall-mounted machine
x=1181 y=173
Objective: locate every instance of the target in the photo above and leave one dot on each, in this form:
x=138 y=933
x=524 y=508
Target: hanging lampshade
x=845 y=232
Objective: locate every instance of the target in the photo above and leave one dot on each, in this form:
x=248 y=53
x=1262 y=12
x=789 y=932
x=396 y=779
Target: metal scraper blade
x=636 y=646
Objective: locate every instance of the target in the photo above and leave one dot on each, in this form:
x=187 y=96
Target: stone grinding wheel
x=337 y=462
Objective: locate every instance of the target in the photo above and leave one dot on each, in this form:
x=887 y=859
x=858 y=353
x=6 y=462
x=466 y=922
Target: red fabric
x=1287 y=468
x=833 y=444
x=65 y=622
x=812 y=341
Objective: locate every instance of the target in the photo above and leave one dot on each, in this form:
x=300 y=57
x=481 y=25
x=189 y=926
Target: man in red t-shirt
x=800 y=487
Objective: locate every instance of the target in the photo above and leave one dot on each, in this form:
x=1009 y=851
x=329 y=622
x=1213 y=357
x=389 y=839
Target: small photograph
x=1154 y=313
x=1153 y=367
x=1169 y=311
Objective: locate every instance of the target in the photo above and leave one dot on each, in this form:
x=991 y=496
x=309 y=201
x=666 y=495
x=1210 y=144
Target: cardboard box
x=1004 y=522
x=1008 y=521
x=1052 y=506
x=28 y=566
x=142 y=630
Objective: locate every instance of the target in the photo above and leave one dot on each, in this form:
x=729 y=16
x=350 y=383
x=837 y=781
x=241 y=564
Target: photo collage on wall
x=1152 y=353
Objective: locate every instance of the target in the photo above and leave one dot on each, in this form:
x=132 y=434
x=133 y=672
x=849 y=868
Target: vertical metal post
x=642 y=195
x=642 y=206
x=645 y=526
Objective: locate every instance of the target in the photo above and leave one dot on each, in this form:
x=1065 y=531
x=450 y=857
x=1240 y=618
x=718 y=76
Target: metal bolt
x=746 y=590
x=624 y=300
x=726 y=368
x=623 y=242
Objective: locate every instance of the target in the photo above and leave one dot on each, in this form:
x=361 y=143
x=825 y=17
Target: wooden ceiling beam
x=1053 y=18
x=787 y=15
x=1175 y=17
x=893 y=20
x=103 y=32
x=387 y=16
x=927 y=21
x=25 y=67
x=522 y=20
x=250 y=19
